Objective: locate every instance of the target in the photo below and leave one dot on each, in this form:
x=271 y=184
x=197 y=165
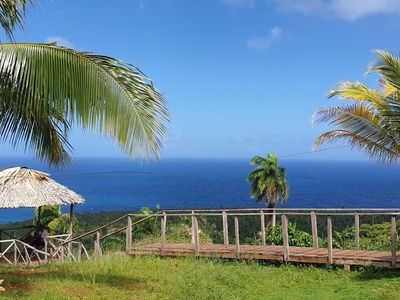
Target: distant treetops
x=372 y=122
x=268 y=181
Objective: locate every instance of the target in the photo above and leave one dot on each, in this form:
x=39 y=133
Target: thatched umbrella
x=23 y=187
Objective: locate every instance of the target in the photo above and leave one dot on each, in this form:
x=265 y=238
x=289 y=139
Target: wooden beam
x=71 y=219
x=262 y=227
x=225 y=227
x=357 y=230
x=273 y=218
x=128 y=237
x=97 y=248
x=394 y=241
x=195 y=234
x=237 y=240
x=163 y=230
x=285 y=238
x=15 y=253
x=314 y=229
x=39 y=215
x=79 y=252
x=329 y=239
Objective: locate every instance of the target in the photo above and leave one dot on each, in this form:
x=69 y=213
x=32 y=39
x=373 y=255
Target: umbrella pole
x=71 y=219
x=39 y=216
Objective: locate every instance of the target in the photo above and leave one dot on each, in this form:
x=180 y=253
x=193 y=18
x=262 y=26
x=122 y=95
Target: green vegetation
x=268 y=181
x=372 y=122
x=98 y=93
x=122 y=277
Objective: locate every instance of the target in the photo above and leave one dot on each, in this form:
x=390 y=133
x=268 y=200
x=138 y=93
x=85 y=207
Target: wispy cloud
x=264 y=42
x=60 y=41
x=345 y=9
x=140 y=4
x=239 y=3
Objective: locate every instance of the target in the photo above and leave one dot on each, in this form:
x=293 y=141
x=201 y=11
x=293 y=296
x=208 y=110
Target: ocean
x=123 y=185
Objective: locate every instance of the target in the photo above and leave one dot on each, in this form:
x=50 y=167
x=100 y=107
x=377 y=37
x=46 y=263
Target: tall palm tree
x=45 y=89
x=268 y=181
x=372 y=122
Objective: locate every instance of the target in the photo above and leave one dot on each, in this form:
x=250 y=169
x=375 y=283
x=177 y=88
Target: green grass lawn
x=118 y=276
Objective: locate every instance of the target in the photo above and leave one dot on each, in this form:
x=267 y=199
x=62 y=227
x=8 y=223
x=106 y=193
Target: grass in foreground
x=122 y=277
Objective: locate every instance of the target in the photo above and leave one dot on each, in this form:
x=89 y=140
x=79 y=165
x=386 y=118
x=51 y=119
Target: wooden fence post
x=79 y=251
x=195 y=234
x=163 y=230
x=357 y=230
x=237 y=240
x=273 y=218
x=394 y=241
x=285 y=238
x=262 y=227
x=62 y=253
x=128 y=238
x=225 y=227
x=97 y=252
x=329 y=237
x=46 y=245
x=314 y=229
x=15 y=252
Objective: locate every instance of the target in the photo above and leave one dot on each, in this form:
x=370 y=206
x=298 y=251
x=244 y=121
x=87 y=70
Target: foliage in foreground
x=123 y=277
x=372 y=122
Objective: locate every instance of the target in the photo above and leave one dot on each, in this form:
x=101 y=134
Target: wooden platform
x=272 y=253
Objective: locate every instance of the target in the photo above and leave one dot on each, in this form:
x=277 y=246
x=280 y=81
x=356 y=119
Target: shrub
x=297 y=237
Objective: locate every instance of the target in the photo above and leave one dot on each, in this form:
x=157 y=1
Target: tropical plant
x=268 y=181
x=47 y=214
x=45 y=89
x=297 y=238
x=372 y=122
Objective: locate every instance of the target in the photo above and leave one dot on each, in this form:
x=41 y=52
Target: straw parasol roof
x=22 y=187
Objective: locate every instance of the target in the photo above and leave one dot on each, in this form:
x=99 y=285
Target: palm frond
x=358 y=118
x=12 y=13
x=388 y=66
x=97 y=92
x=357 y=91
x=375 y=150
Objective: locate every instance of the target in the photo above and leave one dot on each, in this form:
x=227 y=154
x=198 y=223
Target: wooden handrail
x=133 y=224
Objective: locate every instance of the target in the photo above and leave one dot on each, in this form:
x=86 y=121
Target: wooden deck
x=272 y=253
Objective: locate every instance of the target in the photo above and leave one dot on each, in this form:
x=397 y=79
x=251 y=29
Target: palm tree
x=268 y=181
x=45 y=89
x=372 y=122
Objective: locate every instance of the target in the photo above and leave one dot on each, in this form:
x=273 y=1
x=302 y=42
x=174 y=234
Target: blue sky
x=242 y=77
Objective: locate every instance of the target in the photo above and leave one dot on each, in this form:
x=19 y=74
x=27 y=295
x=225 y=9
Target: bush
x=297 y=237
x=48 y=213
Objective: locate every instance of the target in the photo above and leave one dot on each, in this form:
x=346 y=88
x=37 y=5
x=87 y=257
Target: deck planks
x=275 y=253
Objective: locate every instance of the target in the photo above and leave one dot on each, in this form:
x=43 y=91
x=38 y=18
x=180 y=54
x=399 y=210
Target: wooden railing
x=285 y=215
x=18 y=252
x=66 y=247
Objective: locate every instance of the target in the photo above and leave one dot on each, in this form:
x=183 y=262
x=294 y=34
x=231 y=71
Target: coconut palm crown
x=371 y=122
x=268 y=181
x=45 y=89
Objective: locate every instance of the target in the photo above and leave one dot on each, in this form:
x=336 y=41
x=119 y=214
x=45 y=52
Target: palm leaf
x=373 y=149
x=388 y=66
x=97 y=92
x=12 y=13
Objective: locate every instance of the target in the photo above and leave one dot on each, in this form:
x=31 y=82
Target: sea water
x=117 y=184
